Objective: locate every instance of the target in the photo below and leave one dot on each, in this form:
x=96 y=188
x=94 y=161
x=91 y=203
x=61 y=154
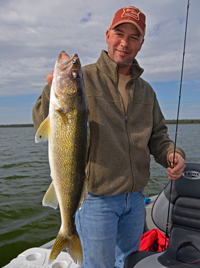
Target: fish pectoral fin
x=43 y=131
x=50 y=198
x=83 y=193
x=62 y=116
x=71 y=243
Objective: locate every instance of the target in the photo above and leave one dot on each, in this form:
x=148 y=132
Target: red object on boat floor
x=153 y=240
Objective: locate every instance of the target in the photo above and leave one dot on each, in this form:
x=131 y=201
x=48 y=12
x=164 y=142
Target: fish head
x=68 y=81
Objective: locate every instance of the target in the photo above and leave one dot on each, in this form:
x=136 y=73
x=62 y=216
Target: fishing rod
x=168 y=225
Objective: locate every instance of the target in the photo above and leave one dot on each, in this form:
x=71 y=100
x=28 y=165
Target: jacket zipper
x=126 y=122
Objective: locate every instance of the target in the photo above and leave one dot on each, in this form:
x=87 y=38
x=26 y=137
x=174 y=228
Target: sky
x=33 y=33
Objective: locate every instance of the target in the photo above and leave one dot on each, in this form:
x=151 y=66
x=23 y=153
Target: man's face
x=124 y=42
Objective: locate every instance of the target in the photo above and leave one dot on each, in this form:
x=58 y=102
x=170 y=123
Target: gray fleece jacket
x=120 y=145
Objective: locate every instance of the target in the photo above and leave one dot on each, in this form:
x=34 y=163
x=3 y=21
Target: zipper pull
x=126 y=120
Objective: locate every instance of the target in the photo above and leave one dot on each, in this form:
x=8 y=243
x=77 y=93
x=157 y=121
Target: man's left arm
x=177 y=168
x=162 y=147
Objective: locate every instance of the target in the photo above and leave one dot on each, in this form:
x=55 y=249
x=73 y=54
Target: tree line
x=167 y=121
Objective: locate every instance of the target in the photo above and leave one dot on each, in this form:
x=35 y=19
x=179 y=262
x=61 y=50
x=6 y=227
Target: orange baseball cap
x=131 y=15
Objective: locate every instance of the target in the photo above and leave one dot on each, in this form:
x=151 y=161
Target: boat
x=184 y=222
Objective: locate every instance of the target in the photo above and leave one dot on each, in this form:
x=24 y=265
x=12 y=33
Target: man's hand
x=179 y=165
x=49 y=78
x=62 y=56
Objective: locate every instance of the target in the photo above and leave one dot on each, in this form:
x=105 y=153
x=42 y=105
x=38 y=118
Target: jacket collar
x=106 y=65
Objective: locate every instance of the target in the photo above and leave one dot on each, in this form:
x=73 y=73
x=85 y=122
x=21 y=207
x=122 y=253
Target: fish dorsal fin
x=50 y=198
x=43 y=131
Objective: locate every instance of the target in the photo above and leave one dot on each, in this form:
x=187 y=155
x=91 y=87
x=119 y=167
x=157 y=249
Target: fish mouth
x=67 y=74
x=66 y=63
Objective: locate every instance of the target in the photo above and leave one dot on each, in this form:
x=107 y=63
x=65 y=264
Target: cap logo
x=131 y=12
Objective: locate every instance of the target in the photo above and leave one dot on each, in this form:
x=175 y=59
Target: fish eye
x=74 y=75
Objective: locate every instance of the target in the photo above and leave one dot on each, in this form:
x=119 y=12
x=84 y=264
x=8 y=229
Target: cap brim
x=129 y=21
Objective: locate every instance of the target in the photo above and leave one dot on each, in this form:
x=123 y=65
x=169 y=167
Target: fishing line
x=168 y=225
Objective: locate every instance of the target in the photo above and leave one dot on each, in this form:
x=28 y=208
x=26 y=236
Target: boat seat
x=184 y=220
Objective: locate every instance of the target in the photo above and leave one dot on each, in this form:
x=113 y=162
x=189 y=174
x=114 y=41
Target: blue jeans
x=110 y=228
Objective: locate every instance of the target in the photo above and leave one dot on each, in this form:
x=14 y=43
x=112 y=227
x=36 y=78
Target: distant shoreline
x=167 y=121
x=183 y=121
x=18 y=125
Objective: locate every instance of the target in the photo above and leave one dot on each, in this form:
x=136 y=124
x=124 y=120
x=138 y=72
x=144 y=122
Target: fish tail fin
x=71 y=243
x=74 y=249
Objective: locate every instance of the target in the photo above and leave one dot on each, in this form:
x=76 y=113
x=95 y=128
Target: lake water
x=24 y=178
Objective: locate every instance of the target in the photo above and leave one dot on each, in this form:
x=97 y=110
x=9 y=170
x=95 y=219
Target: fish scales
x=66 y=129
x=67 y=160
x=72 y=191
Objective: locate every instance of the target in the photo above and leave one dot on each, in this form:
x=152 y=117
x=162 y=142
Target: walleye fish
x=66 y=129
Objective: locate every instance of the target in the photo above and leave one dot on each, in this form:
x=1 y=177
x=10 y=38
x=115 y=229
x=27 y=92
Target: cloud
x=86 y=19
x=33 y=33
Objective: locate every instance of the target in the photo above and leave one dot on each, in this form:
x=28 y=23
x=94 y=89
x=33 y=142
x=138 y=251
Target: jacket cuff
x=178 y=150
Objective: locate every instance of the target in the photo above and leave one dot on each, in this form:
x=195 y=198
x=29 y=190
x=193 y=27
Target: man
x=126 y=126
